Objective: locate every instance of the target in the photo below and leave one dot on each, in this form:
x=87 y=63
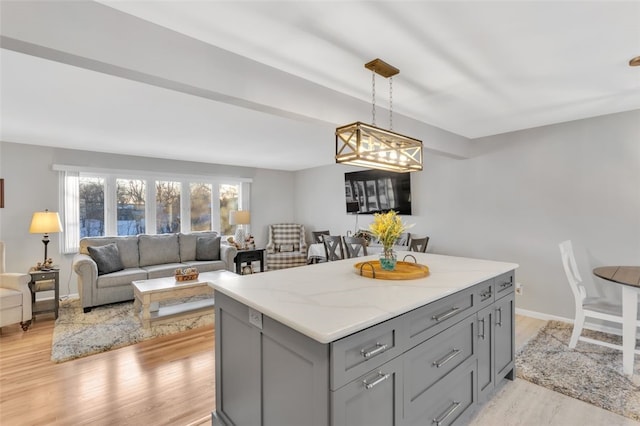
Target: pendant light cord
x=373 y=96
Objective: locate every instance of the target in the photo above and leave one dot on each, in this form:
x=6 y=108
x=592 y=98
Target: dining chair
x=403 y=239
x=587 y=306
x=333 y=248
x=418 y=244
x=353 y=246
x=317 y=236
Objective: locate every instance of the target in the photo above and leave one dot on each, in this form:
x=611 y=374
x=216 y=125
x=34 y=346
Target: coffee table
x=148 y=294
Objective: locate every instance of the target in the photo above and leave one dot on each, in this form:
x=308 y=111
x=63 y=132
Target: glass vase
x=388 y=259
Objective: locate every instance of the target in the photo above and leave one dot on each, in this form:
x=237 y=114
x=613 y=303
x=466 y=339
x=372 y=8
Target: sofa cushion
x=208 y=248
x=207 y=265
x=10 y=298
x=107 y=257
x=285 y=234
x=285 y=260
x=163 y=270
x=127 y=246
x=188 y=244
x=158 y=249
x=121 y=278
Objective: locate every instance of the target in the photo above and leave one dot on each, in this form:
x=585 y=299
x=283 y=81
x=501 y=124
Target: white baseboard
x=596 y=327
x=70 y=296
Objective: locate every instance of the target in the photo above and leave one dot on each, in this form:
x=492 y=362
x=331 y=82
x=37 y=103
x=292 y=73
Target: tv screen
x=375 y=191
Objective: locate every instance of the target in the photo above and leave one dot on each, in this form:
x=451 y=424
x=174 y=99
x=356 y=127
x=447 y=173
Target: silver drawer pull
x=381 y=378
x=378 y=349
x=448 y=357
x=445 y=316
x=506 y=284
x=439 y=420
x=499 y=321
x=486 y=295
x=482 y=335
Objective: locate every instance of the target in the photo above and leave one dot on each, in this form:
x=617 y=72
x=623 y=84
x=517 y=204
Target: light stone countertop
x=328 y=301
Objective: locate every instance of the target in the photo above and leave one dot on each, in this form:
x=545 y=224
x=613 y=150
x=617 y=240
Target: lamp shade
x=45 y=222
x=240 y=217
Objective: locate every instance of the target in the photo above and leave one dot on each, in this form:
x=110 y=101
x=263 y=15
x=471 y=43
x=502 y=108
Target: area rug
x=108 y=327
x=590 y=373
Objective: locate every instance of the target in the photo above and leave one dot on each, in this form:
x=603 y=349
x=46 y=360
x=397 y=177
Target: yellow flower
x=387 y=227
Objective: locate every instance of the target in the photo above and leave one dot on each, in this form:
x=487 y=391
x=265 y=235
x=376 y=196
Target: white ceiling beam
x=93 y=36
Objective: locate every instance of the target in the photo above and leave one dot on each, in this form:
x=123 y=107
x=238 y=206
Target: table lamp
x=44 y=223
x=239 y=218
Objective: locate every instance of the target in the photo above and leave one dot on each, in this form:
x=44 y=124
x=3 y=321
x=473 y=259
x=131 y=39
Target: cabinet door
x=485 y=346
x=237 y=364
x=372 y=399
x=295 y=378
x=504 y=336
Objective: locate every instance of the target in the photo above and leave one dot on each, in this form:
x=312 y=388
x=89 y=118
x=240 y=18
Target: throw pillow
x=107 y=257
x=208 y=248
x=285 y=248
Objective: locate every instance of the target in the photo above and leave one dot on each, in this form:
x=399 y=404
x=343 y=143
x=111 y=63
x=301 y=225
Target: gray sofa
x=143 y=257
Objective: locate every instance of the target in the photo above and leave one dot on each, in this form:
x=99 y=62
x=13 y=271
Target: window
x=167 y=207
x=131 y=195
x=201 y=206
x=228 y=202
x=97 y=203
x=91 y=206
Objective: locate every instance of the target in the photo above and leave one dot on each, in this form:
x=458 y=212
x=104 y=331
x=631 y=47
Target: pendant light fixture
x=369 y=146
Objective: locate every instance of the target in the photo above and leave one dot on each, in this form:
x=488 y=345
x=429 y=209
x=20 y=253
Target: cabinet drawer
x=431 y=319
x=45 y=285
x=358 y=353
x=433 y=359
x=504 y=284
x=484 y=294
x=40 y=276
x=250 y=256
x=373 y=399
x=444 y=404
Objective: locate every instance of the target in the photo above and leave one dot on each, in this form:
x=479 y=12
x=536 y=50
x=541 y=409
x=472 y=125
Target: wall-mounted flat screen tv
x=375 y=191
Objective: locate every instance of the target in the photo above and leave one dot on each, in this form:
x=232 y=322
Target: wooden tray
x=403 y=271
x=187 y=277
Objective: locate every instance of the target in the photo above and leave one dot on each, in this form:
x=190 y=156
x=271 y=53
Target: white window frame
x=71 y=242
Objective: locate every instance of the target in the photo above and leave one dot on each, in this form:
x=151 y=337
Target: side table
x=248 y=256
x=45 y=281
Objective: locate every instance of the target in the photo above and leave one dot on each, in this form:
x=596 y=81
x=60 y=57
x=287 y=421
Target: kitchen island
x=321 y=345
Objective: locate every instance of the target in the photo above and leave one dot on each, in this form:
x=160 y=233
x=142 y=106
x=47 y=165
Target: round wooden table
x=629 y=278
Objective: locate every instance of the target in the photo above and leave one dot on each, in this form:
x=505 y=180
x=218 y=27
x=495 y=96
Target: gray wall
x=31 y=185
x=515 y=200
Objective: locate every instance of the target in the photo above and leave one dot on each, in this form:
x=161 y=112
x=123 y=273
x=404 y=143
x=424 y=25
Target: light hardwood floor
x=170 y=381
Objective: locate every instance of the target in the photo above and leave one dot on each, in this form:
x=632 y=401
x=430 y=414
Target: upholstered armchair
x=287 y=246
x=15 y=296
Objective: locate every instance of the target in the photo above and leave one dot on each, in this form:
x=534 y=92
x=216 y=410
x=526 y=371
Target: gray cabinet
x=505 y=336
x=496 y=338
x=486 y=344
x=430 y=365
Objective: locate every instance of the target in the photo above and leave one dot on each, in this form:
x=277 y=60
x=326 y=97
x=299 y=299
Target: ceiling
x=473 y=69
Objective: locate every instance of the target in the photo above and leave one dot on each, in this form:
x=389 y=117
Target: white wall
x=521 y=195
x=31 y=185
